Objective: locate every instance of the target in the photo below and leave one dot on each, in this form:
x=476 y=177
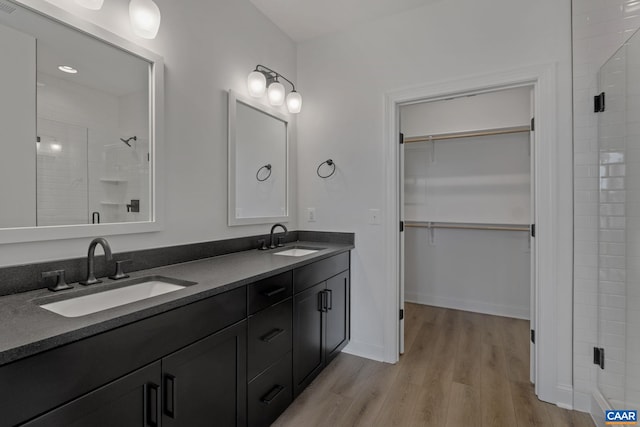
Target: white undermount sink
x=298 y=251
x=135 y=290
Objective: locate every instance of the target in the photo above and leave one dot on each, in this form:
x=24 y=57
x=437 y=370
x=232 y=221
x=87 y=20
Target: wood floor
x=459 y=369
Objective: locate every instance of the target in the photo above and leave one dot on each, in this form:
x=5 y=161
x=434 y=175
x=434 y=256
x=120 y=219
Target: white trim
x=599 y=404
x=542 y=78
x=366 y=350
x=156 y=137
x=469 y=305
x=234 y=98
x=564 y=397
x=582 y=401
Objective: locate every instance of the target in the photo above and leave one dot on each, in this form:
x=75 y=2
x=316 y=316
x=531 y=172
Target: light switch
x=374 y=216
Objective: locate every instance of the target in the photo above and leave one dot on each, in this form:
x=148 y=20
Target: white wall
x=345 y=77
x=260 y=140
x=17 y=162
x=599 y=29
x=483 y=180
x=468 y=113
x=208 y=47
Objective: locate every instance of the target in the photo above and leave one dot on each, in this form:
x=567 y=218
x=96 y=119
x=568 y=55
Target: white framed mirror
x=258 y=169
x=80 y=128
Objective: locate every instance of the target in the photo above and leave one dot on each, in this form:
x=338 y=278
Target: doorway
x=545 y=314
x=466 y=201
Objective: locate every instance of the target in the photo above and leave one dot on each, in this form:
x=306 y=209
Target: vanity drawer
x=269 y=291
x=312 y=274
x=269 y=336
x=270 y=393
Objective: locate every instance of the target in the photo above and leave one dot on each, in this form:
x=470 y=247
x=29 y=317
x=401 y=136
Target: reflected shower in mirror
x=258 y=161
x=74 y=125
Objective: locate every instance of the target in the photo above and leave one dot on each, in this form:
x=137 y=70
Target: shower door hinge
x=401 y=226
x=533 y=336
x=401 y=314
x=401 y=138
x=533 y=124
x=598 y=356
x=533 y=230
x=598 y=103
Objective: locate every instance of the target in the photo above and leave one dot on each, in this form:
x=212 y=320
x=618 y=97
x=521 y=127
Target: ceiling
x=306 y=19
x=100 y=65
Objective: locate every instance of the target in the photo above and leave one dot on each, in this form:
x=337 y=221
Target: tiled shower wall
x=613 y=158
x=599 y=29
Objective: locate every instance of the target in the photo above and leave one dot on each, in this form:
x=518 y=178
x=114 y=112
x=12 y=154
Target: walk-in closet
x=467 y=202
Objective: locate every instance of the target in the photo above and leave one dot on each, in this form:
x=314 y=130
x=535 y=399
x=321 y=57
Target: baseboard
x=564 y=396
x=582 y=401
x=469 y=305
x=599 y=404
x=365 y=350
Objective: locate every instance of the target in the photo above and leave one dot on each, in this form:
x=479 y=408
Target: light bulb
x=257 y=84
x=67 y=69
x=275 y=93
x=294 y=102
x=145 y=18
x=91 y=4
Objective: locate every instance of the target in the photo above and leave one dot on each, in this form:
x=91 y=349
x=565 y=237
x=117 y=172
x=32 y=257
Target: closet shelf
x=469 y=134
x=114 y=180
x=467 y=226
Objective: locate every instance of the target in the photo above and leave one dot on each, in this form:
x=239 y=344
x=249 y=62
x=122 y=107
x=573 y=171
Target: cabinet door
x=308 y=336
x=337 y=315
x=130 y=401
x=204 y=384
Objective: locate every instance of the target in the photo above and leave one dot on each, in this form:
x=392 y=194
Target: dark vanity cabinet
x=195 y=337
x=321 y=310
x=237 y=358
x=133 y=400
x=204 y=383
x=270 y=388
x=200 y=385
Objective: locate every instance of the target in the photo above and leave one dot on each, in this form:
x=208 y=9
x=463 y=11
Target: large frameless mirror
x=258 y=163
x=78 y=130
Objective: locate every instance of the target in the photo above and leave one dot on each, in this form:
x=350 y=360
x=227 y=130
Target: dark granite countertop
x=27 y=329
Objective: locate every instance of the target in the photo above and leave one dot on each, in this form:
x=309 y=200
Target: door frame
x=542 y=79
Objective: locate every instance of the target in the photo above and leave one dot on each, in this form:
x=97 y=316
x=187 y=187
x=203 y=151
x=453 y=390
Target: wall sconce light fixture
x=264 y=79
x=144 y=15
x=91 y=4
x=145 y=18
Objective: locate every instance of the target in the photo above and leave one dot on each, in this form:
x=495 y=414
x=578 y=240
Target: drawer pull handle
x=273 y=393
x=151 y=414
x=329 y=299
x=170 y=395
x=273 y=292
x=272 y=335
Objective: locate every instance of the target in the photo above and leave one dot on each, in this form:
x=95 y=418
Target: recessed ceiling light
x=67 y=69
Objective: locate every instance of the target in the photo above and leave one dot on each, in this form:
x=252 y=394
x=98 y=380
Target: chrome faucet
x=271 y=237
x=91 y=276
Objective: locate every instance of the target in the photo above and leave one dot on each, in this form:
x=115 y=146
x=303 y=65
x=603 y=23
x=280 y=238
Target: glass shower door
x=619 y=228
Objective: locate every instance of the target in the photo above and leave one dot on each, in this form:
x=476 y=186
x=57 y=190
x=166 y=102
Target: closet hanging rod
x=459 y=226
x=469 y=134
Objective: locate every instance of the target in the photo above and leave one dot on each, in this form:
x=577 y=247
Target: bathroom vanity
x=234 y=348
